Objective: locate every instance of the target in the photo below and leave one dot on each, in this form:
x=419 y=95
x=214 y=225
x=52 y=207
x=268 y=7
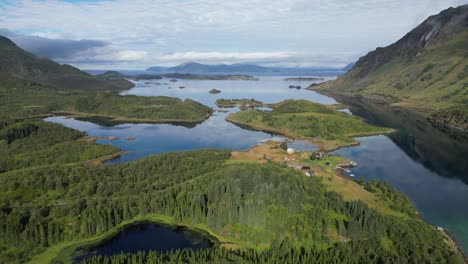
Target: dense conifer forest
x=270 y=213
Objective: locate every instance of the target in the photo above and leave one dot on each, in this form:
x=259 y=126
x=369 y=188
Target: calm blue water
x=269 y=89
x=147 y=237
x=437 y=184
x=442 y=201
x=213 y=133
x=158 y=138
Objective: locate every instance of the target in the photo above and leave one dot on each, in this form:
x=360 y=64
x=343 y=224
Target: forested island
x=258 y=212
x=113 y=75
x=302 y=119
x=238 y=103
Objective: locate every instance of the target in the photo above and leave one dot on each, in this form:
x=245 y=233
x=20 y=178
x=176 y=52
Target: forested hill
x=15 y=62
x=427 y=68
x=272 y=213
x=31 y=86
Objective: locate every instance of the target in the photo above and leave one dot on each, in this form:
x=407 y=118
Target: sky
x=136 y=34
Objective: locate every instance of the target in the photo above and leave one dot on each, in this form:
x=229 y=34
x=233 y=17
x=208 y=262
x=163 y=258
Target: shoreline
x=120 y=119
x=450 y=237
x=320 y=143
x=65 y=250
x=103 y=159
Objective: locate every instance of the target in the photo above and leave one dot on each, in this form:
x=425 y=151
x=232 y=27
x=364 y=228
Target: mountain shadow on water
x=429 y=146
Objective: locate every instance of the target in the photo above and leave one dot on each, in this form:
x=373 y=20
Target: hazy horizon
x=134 y=35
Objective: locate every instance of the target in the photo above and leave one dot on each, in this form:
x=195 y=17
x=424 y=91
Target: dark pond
x=146 y=237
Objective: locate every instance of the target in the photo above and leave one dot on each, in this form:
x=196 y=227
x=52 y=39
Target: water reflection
x=440 y=200
x=436 y=150
x=268 y=89
x=159 y=138
x=214 y=132
x=146 y=237
x=423 y=162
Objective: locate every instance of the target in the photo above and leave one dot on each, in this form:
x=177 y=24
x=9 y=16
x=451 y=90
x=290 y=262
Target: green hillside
x=307 y=120
x=30 y=86
x=24 y=65
x=426 y=70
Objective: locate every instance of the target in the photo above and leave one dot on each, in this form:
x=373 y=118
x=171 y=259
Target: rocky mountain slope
x=427 y=69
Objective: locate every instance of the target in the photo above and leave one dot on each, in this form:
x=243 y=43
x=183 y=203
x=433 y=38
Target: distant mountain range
x=198 y=68
x=24 y=66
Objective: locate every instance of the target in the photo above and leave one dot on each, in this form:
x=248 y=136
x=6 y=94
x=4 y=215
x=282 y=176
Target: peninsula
x=238 y=103
x=302 y=119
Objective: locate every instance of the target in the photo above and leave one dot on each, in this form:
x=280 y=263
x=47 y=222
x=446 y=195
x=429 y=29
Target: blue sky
x=135 y=34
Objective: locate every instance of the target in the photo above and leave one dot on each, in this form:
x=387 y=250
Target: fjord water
x=147 y=237
x=426 y=164
x=268 y=89
x=442 y=201
x=212 y=133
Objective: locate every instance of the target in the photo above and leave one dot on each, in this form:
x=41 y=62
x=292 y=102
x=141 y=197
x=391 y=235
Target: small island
x=225 y=103
x=214 y=91
x=304 y=79
x=305 y=120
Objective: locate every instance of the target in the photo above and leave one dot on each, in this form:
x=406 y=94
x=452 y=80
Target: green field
x=303 y=119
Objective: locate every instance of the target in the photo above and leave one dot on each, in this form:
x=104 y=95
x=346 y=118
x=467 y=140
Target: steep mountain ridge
x=425 y=69
x=23 y=65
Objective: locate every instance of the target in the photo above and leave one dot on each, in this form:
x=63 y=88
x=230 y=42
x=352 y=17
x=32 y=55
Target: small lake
x=424 y=163
x=147 y=237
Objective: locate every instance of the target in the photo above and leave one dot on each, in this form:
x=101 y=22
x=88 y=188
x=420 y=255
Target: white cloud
x=107 y=54
x=213 y=29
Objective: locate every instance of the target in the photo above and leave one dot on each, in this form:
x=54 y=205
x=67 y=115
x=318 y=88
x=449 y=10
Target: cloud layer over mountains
x=139 y=33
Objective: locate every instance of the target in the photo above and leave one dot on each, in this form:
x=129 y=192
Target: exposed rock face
x=430 y=34
x=426 y=68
